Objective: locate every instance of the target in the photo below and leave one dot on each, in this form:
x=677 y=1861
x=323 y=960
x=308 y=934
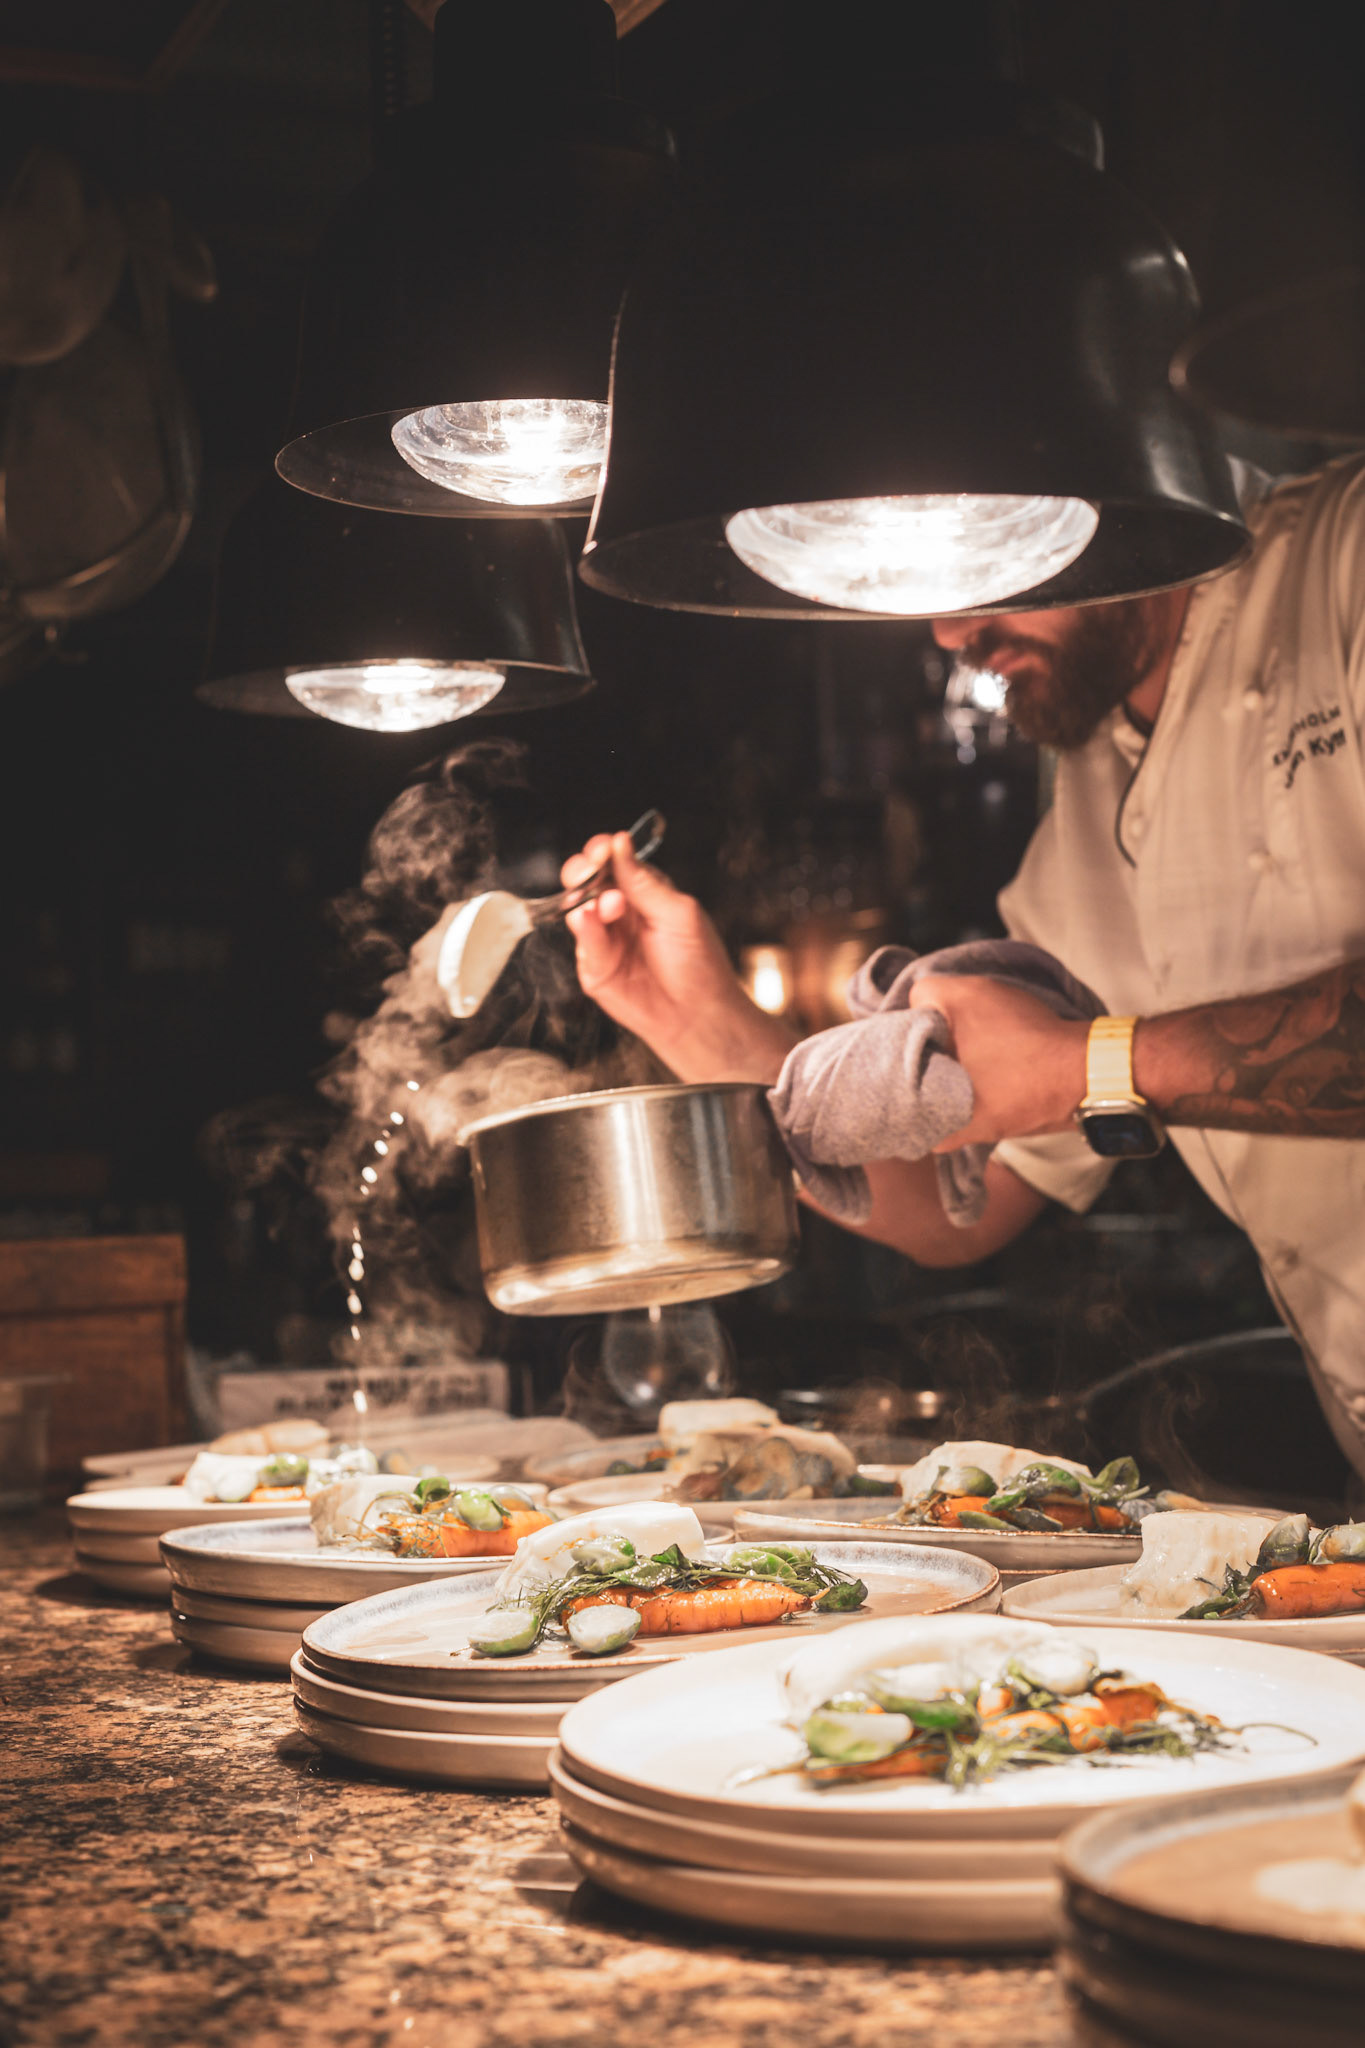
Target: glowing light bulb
x=395 y=696
x=367 y=1173
x=356 y=1269
x=414 y=1085
x=354 y=1304
x=765 y=976
x=380 y=1146
x=510 y=451
x=360 y=1402
x=918 y=556
x=394 y=1117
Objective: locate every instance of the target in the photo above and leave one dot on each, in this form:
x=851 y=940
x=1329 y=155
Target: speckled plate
x=852 y=1912
x=590 y=1461
x=644 y=1831
x=540 y=1718
x=1167 y=1932
x=1090 y=1600
x=143 y=1581
x=582 y=1494
x=257 y=1649
x=283 y=1563
x=245 y=1613
x=418 y=1642
x=708 y=1739
x=511 y=1762
x=1021 y=1550
x=152 y=1510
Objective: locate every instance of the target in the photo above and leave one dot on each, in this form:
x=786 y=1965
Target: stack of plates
x=391 y=1681
x=1171 y=1940
x=676 y=1792
x=245 y=1594
x=117 y=1531
x=1090 y=1599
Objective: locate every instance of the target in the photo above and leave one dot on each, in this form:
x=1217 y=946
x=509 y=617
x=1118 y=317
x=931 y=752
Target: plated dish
x=599 y=1580
x=727 y=1739
x=283 y=1562
x=420 y=1642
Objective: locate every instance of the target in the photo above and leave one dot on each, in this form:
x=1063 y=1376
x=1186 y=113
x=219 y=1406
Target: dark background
x=166 y=945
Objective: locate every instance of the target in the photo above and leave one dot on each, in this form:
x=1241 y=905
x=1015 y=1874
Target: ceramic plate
x=929 y=1913
x=417 y=1642
x=590 y=1461
x=118 y=1548
x=1020 y=1551
x=516 y=1761
x=147 y=1581
x=1090 y=1599
x=245 y=1613
x=1181 y=1879
x=681 y=1738
x=643 y=1831
x=540 y=1718
x=582 y=1494
x=283 y=1563
x=151 y=1510
x=260 y=1649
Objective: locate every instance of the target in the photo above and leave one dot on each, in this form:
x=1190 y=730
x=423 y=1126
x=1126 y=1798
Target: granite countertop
x=183 y=1867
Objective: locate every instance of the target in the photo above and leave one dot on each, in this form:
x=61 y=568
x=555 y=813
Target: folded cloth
x=887 y=1085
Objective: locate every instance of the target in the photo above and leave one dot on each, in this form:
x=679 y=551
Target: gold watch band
x=1109 y=1061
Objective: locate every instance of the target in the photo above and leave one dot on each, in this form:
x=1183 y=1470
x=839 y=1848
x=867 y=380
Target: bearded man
x=1201 y=867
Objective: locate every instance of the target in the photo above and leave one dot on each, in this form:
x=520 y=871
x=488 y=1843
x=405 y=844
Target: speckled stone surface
x=183 y=1870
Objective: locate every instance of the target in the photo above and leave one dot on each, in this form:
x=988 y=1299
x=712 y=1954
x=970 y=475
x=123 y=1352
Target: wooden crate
x=107 y=1313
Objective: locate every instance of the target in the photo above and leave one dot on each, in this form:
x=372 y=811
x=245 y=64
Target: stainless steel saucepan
x=630 y=1197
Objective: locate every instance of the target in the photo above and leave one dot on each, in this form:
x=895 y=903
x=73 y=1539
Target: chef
x=1201 y=868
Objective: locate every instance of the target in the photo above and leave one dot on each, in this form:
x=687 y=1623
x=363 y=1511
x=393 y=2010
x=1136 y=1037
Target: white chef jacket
x=1225 y=857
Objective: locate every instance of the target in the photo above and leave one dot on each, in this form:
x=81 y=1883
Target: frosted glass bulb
x=919 y=556
x=511 y=451
x=396 y=696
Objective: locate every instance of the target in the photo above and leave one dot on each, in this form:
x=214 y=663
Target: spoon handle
x=646 y=836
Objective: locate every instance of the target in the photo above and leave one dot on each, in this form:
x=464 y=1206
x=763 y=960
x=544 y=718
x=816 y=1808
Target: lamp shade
x=394 y=618
x=968 y=314
x=481 y=266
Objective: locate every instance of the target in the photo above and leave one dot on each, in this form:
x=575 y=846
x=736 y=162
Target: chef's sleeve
x=1060 y=1166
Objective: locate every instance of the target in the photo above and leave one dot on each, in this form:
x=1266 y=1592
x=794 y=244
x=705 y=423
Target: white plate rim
x=1343 y=1633
x=906 y=1807
x=322 y=1644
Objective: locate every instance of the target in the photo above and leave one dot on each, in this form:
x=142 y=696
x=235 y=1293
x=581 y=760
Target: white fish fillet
x=338 y=1510
x=650 y=1525
x=963 y=1650
x=1184 y=1557
x=681 y=1421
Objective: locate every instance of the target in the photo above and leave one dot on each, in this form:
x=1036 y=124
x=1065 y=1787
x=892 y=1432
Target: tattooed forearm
x=1291 y=1062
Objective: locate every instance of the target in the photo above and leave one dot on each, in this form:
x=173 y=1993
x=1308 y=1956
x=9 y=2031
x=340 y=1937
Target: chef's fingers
x=611 y=906
x=599 y=949
x=579 y=866
x=641 y=885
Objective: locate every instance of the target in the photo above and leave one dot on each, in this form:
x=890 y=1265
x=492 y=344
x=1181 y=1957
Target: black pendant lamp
x=905 y=354
x=390 y=625
x=457 y=325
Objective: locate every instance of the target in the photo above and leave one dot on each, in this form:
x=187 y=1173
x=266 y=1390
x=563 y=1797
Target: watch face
x=1120 y=1133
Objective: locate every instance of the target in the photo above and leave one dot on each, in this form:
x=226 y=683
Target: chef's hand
x=654 y=961
x=1026 y=1066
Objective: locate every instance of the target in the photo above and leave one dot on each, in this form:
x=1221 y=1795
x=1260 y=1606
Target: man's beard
x=1107 y=651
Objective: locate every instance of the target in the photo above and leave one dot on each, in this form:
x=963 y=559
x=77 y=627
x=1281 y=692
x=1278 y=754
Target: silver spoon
x=485 y=932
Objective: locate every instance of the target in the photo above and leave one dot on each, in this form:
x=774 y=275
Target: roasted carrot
x=946 y=1511
x=725 y=1603
x=1083 y=1720
x=1077 y=1514
x=275 y=1493
x=902 y=1763
x=457 y=1539
x=1299 y=1590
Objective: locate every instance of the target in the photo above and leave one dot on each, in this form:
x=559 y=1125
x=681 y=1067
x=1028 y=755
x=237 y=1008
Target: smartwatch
x=1114 y=1119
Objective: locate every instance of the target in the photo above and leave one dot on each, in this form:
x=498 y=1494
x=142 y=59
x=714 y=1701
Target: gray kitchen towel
x=887 y=1085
